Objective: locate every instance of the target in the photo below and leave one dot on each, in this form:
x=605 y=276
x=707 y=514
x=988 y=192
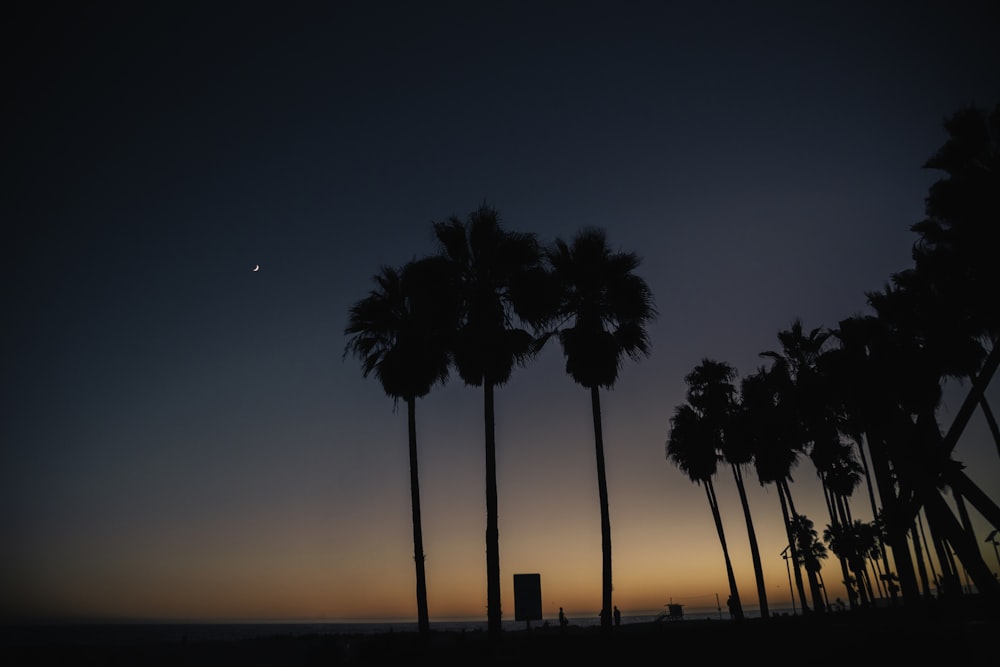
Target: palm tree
x=853 y=386
x=738 y=451
x=958 y=238
x=841 y=475
x=872 y=372
x=496 y=273
x=833 y=432
x=401 y=332
x=804 y=392
x=854 y=542
x=601 y=316
x=691 y=448
x=711 y=390
x=921 y=456
x=811 y=551
x=935 y=321
x=772 y=435
x=956 y=273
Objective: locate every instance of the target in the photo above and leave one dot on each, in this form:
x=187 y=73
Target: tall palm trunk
x=864 y=592
x=735 y=606
x=493 y=614
x=784 y=498
x=602 y=492
x=920 y=548
x=948 y=581
x=840 y=518
x=991 y=421
x=896 y=527
x=963 y=514
x=811 y=574
x=423 y=618
x=758 y=569
x=871 y=498
x=957 y=532
x=880 y=585
x=939 y=516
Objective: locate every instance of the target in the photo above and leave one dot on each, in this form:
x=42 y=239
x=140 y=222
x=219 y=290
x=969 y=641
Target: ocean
x=137 y=632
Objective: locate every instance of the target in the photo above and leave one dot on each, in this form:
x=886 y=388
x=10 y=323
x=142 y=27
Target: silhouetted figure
x=729 y=603
x=618 y=616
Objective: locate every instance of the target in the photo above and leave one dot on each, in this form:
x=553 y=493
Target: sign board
x=527 y=597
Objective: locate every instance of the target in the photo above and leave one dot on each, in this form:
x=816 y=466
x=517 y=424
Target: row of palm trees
x=487 y=301
x=874 y=381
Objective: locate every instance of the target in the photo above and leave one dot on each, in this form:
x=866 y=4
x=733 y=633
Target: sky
x=181 y=436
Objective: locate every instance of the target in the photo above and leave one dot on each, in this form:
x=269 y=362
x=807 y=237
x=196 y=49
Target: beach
x=958 y=634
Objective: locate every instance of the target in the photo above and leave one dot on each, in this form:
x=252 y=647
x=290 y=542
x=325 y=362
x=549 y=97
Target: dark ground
x=965 y=634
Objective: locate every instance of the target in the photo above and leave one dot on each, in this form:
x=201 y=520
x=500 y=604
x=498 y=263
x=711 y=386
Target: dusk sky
x=181 y=437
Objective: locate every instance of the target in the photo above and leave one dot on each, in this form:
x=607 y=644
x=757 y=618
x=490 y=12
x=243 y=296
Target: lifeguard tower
x=674 y=612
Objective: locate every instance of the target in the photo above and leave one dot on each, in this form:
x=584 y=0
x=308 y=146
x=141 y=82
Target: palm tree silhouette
x=401 y=331
x=955 y=273
x=957 y=240
x=843 y=369
x=854 y=542
x=832 y=430
x=919 y=454
x=496 y=273
x=812 y=552
x=840 y=475
x=600 y=317
x=871 y=369
x=690 y=447
x=711 y=391
x=770 y=426
x=736 y=448
x=804 y=392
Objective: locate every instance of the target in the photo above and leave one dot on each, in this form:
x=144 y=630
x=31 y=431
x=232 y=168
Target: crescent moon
x=256 y=267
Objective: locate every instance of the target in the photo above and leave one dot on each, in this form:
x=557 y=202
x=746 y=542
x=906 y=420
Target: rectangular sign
x=527 y=597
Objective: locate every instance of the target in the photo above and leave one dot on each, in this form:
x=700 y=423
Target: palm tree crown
x=494 y=271
x=606 y=305
x=401 y=332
